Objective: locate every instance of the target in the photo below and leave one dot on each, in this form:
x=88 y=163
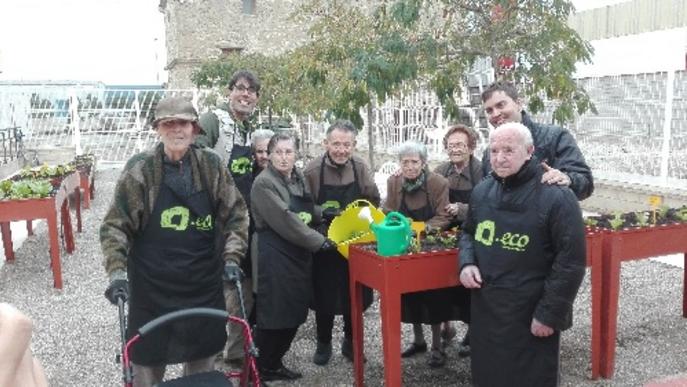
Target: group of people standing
x=218 y=202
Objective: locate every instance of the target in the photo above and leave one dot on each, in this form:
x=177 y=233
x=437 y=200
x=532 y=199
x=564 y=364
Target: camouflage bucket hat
x=176 y=108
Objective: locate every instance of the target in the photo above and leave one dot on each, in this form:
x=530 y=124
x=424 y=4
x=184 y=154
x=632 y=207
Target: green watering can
x=393 y=234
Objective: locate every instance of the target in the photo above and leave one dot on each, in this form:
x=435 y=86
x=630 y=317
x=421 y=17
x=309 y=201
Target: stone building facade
x=199 y=30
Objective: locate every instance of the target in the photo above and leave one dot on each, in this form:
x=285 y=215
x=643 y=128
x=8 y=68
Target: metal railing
x=639 y=135
x=11 y=140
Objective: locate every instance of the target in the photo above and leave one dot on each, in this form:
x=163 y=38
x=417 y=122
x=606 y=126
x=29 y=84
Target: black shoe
x=347 y=349
x=281 y=373
x=437 y=358
x=464 y=346
x=322 y=354
x=463 y=350
x=447 y=335
x=414 y=349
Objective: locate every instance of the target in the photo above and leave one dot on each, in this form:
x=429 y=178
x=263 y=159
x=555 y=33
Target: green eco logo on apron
x=241 y=166
x=168 y=217
x=489 y=227
x=203 y=224
x=486 y=231
x=177 y=218
x=306 y=217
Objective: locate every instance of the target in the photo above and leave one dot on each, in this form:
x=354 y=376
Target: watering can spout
x=366 y=215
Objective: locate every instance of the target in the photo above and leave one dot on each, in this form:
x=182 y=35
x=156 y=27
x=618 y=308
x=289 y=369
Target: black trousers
x=252 y=314
x=325 y=325
x=273 y=345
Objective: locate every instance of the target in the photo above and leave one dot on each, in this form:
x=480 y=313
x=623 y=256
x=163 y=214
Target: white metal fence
x=640 y=134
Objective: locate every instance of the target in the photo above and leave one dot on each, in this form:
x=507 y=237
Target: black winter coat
x=558 y=148
x=501 y=213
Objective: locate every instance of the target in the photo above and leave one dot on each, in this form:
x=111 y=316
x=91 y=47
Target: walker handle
x=180 y=315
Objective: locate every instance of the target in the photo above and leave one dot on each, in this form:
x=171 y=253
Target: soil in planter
x=433 y=242
x=638 y=219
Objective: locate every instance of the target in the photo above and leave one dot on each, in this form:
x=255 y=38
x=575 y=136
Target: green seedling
x=5 y=187
x=591 y=222
x=617 y=221
x=682 y=213
x=642 y=218
x=20 y=190
x=40 y=188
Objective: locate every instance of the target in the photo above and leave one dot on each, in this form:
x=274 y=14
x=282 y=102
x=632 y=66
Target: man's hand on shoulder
x=554 y=176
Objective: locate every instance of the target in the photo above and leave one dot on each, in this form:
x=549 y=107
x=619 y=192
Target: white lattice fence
x=639 y=135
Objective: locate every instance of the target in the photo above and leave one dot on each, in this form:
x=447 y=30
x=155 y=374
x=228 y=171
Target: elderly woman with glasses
x=423 y=196
x=463 y=171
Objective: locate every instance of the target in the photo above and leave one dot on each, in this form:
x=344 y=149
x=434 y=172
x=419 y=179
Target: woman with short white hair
x=422 y=195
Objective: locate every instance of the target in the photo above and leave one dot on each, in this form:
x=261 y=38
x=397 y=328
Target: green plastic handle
x=391 y=216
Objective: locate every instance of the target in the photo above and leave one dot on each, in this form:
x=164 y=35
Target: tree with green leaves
x=359 y=54
x=386 y=44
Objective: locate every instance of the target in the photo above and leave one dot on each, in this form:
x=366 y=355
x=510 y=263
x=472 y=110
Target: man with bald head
x=522 y=252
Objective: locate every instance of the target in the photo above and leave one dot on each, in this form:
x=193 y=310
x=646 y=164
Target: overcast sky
x=113 y=41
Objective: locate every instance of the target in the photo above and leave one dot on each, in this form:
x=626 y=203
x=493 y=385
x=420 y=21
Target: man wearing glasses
x=228 y=132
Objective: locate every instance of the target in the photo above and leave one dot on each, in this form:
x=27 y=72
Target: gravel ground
x=76 y=329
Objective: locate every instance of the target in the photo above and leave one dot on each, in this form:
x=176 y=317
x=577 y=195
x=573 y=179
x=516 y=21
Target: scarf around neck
x=413 y=185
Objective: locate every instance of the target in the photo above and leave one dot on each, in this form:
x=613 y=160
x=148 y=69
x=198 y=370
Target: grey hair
x=345 y=125
x=260 y=135
x=522 y=130
x=282 y=136
x=412 y=148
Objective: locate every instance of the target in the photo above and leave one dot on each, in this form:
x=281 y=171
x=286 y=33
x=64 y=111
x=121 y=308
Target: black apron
x=330 y=269
x=284 y=275
x=241 y=165
x=241 y=169
x=173 y=266
x=502 y=310
x=461 y=295
x=428 y=306
x=460 y=195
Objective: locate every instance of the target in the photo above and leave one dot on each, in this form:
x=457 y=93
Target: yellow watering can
x=349 y=228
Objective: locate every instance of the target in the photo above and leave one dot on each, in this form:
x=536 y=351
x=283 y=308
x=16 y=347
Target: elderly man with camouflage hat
x=175 y=226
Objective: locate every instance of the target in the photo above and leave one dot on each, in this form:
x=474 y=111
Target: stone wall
x=199 y=30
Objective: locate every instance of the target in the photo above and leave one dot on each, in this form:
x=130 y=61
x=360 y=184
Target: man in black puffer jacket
x=522 y=252
x=553 y=145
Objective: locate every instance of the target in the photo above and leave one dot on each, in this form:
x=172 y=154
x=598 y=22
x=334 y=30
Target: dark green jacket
x=138 y=188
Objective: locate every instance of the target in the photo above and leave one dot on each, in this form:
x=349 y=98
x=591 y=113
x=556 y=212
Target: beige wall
x=629 y=18
x=197 y=30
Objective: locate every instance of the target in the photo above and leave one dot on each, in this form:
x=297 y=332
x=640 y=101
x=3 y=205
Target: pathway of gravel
x=76 y=331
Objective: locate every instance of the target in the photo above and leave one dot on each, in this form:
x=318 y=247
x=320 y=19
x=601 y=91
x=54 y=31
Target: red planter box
x=47 y=208
x=628 y=245
x=594 y=241
x=392 y=276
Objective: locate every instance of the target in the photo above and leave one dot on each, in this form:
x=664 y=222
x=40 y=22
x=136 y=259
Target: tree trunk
x=269 y=117
x=370 y=136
